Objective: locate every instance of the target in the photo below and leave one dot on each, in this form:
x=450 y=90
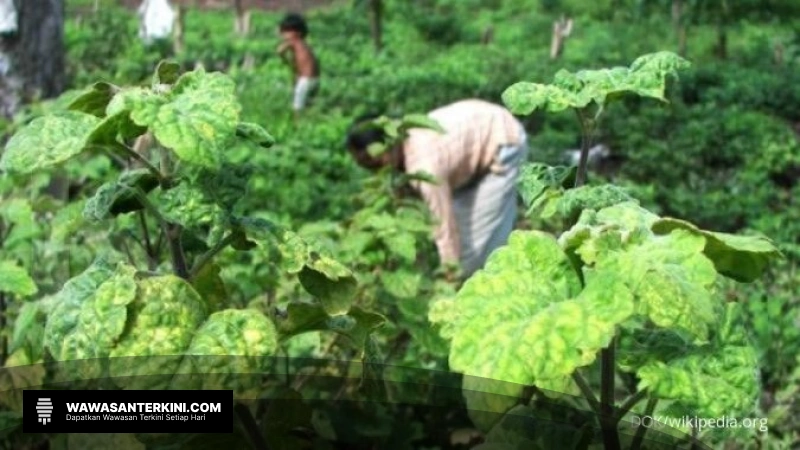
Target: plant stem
x=162 y=180
x=171 y=232
x=586 y=390
x=250 y=426
x=638 y=438
x=630 y=403
x=209 y=255
x=3 y=340
x=608 y=423
x=148 y=248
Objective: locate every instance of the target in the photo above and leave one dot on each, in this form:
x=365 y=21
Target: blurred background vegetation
x=722 y=153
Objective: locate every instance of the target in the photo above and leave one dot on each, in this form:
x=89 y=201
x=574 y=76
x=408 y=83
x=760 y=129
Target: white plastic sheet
x=156 y=20
x=8 y=17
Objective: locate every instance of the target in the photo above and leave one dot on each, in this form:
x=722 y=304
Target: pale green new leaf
x=47 y=141
x=743 y=258
x=15 y=280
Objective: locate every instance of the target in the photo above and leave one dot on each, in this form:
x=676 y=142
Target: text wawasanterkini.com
x=140 y=411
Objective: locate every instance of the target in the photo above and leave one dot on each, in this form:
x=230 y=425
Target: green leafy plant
x=621 y=293
x=136 y=312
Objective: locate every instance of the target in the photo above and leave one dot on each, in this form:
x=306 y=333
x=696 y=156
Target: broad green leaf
x=669 y=276
x=196 y=119
x=101 y=317
x=235 y=332
x=142 y=104
x=28 y=331
x=743 y=258
x=536 y=179
x=210 y=286
x=226 y=186
x=115 y=130
x=523 y=318
x=118 y=197
x=255 y=133
x=64 y=318
x=161 y=322
x=401 y=283
x=402 y=245
x=663 y=62
x=95 y=100
x=187 y=205
x=524 y=98
x=47 y=141
x=167 y=72
x=200 y=118
x=229 y=345
x=15 y=280
x=306 y=317
x=334 y=291
x=709 y=381
x=267 y=235
x=17 y=211
x=573 y=202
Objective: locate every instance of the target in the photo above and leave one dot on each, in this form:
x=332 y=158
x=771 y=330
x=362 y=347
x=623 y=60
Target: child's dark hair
x=294 y=22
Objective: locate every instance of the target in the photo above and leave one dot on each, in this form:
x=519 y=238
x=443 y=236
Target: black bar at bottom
x=76 y=411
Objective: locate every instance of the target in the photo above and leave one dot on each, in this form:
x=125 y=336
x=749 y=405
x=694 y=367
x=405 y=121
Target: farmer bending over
x=476 y=164
x=293 y=30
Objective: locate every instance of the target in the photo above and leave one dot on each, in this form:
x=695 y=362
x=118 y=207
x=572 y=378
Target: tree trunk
x=241 y=23
x=35 y=53
x=561 y=30
x=679 y=26
x=376 y=25
x=36 y=69
x=177 y=30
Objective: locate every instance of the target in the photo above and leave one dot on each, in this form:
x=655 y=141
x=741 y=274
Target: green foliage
x=645 y=77
x=15 y=280
x=47 y=141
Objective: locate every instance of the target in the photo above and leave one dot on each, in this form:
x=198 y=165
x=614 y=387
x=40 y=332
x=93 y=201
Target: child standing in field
x=293 y=30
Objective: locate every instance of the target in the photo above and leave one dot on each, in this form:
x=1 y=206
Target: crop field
x=168 y=222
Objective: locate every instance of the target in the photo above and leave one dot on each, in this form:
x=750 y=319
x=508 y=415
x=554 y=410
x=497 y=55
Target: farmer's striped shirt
x=474 y=131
